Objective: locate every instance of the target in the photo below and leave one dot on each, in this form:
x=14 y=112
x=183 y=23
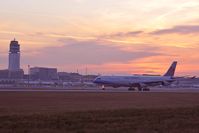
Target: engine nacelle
x=166 y=83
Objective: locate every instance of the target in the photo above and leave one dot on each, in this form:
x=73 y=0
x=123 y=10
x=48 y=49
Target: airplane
x=140 y=82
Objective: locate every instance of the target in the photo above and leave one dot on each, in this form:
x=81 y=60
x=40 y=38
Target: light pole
x=28 y=75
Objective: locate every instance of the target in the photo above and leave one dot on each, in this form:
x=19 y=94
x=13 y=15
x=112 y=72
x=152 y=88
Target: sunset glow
x=106 y=36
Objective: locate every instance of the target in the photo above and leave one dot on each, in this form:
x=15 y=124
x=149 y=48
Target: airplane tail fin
x=171 y=70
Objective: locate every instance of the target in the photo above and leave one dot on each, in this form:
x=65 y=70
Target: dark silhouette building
x=14 y=71
x=44 y=74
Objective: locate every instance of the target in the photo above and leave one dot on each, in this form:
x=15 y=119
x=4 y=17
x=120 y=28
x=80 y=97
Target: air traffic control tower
x=14 y=56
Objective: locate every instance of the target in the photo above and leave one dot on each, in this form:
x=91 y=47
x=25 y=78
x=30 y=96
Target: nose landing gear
x=103 y=87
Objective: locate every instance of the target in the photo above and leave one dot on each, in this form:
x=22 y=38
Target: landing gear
x=143 y=89
x=103 y=87
x=131 y=89
x=146 y=89
x=139 y=88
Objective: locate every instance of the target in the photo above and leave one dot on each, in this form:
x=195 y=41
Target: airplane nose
x=95 y=81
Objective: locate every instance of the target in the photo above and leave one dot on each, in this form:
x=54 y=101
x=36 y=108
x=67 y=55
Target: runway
x=95 y=89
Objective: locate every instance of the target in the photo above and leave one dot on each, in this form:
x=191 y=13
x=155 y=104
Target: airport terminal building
x=43 y=74
x=15 y=73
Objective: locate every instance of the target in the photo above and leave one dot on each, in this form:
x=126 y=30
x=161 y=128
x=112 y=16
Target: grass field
x=181 y=120
x=39 y=112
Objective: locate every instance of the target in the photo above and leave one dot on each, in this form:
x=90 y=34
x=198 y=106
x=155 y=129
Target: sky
x=110 y=37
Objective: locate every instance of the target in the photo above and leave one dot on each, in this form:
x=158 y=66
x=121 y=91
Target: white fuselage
x=131 y=81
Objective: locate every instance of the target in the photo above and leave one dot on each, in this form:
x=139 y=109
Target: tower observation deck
x=14 y=56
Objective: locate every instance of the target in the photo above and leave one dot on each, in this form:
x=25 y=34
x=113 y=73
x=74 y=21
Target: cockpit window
x=98 y=78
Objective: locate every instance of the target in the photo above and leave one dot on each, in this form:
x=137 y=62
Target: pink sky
x=106 y=36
